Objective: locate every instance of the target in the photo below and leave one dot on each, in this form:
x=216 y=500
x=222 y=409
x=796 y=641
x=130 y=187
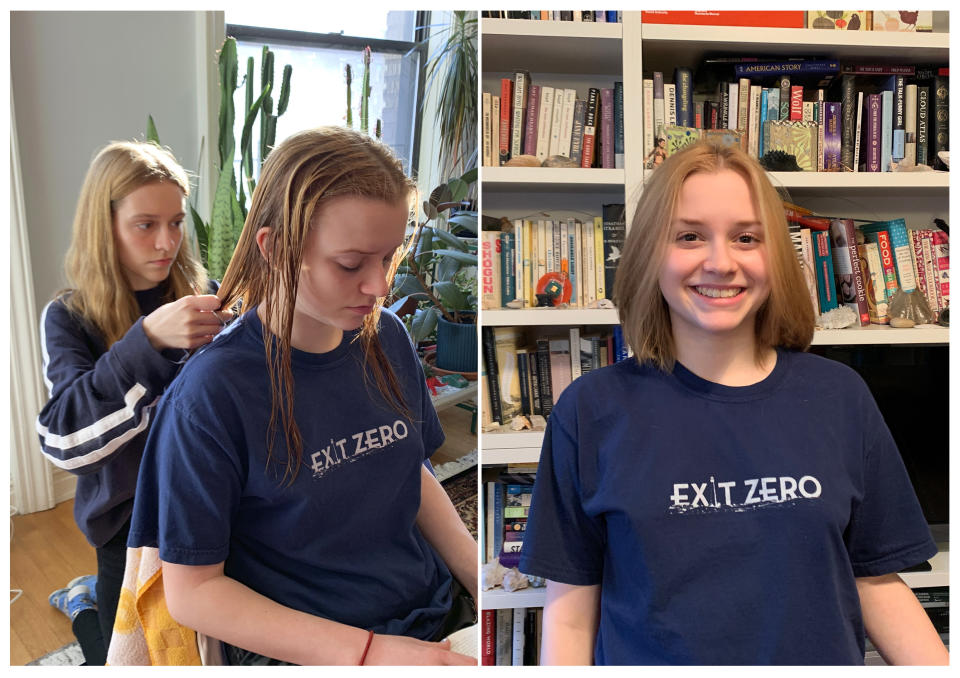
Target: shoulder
x=233 y=357
x=607 y=388
x=822 y=373
x=393 y=333
x=57 y=318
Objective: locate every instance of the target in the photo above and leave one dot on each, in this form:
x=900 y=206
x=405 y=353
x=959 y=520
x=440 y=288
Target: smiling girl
x=722 y=497
x=284 y=481
x=111 y=344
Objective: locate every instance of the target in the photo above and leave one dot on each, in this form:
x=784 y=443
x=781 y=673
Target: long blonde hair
x=785 y=318
x=301 y=173
x=99 y=292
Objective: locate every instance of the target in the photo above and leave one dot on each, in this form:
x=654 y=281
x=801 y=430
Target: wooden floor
x=47 y=550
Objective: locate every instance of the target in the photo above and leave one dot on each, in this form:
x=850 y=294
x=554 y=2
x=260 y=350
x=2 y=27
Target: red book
x=774 y=19
x=796 y=102
x=506 y=115
x=941 y=258
x=488 y=638
x=590 y=127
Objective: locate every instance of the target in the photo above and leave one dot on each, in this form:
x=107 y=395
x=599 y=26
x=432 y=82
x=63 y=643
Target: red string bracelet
x=366 y=648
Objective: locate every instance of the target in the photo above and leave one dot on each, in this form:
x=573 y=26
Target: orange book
x=726 y=18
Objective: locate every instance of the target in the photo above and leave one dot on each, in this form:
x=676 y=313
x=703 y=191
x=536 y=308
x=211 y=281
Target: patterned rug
x=462 y=489
x=68 y=655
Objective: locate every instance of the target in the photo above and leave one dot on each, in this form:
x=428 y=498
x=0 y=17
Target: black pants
x=462 y=614
x=93 y=631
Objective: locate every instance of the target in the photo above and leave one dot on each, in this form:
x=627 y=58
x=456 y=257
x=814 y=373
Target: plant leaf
x=462 y=257
x=406 y=285
x=424 y=323
x=152 y=131
x=470 y=176
x=463 y=220
x=450 y=295
x=222 y=227
x=450 y=239
x=458 y=190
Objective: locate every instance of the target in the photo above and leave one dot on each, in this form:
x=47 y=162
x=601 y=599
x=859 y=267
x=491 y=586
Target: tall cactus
x=348 y=74
x=365 y=93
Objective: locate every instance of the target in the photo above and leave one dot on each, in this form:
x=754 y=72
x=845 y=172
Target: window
x=319 y=50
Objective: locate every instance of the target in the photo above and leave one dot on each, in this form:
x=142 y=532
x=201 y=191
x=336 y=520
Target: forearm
x=441 y=525
x=225 y=609
x=570 y=618
x=897 y=624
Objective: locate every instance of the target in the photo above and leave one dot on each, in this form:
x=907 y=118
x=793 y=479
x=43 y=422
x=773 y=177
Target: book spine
x=590 y=127
x=603 y=292
x=518 y=237
x=723 y=107
x=824 y=268
x=925 y=240
x=733 y=105
x=530 y=638
x=618 y=153
x=543 y=370
x=576 y=135
x=899 y=118
x=848 y=102
x=683 y=78
x=517 y=126
x=846 y=269
x=493 y=374
x=916 y=256
x=532 y=121
x=773 y=68
x=659 y=108
x=887 y=266
x=886 y=133
x=832 y=141
x=764 y=108
x=498 y=501
x=534 y=377
x=519 y=617
x=495 y=131
x=506 y=104
x=753 y=133
x=566 y=122
x=857 y=133
x=488 y=638
x=806 y=254
x=614 y=233
x=941 y=257
x=573 y=261
x=910 y=125
x=487 y=143
x=873 y=133
x=877 y=285
x=508 y=275
x=940 y=135
x=923 y=125
x=743 y=105
x=785 y=98
x=900 y=243
x=489 y=275
x=524 y=369
x=556 y=131
x=544 y=122
x=796 y=102
x=504 y=636
x=606 y=128
x=670 y=102
x=528 y=262
x=648 y=129
x=575 y=366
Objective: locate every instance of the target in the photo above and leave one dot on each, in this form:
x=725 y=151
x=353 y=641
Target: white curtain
x=31 y=476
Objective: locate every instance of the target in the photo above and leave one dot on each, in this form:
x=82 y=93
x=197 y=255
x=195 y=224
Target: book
x=488 y=633
x=618 y=150
x=849 y=20
x=940 y=132
x=531 y=121
x=659 y=109
x=857 y=133
x=848 y=110
x=886 y=130
x=521 y=82
x=544 y=376
x=922 y=242
x=506 y=115
x=560 y=368
x=489 y=352
x=754 y=129
x=794 y=137
x=519 y=618
x=530 y=638
x=603 y=292
x=941 y=259
x=544 y=122
x=490 y=269
x=487 y=144
x=683 y=79
x=900 y=243
x=680 y=137
x=556 y=131
x=648 y=127
x=576 y=133
x=614 y=234
x=902 y=21
x=873 y=133
x=899 y=118
x=606 y=128
x=848 y=277
x=508 y=275
x=733 y=105
x=769 y=19
x=794 y=69
x=506 y=341
x=590 y=127
x=743 y=106
x=495 y=131
x=670 y=102
x=808 y=268
x=877 y=233
x=910 y=125
x=877 y=305
x=566 y=122
x=832 y=141
x=796 y=102
x=823 y=264
x=923 y=125
x=785 y=97
x=576 y=361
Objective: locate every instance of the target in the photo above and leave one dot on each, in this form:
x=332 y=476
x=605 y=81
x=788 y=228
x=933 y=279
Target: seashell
x=513 y=580
x=491 y=574
x=560 y=161
x=519 y=423
x=523 y=161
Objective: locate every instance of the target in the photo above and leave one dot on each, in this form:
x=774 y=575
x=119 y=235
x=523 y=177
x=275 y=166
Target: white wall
x=81 y=80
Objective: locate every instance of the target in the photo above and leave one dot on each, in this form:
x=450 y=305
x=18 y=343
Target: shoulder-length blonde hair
x=785 y=319
x=99 y=291
x=301 y=173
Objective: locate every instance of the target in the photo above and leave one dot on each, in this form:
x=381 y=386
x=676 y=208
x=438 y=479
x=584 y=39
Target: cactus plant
x=349 y=76
x=365 y=92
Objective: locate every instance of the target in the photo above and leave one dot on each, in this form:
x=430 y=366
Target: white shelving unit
x=583 y=55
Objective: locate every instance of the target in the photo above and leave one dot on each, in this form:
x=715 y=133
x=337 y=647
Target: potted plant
x=438 y=274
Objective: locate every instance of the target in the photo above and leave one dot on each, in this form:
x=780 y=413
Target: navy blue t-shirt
x=725 y=525
x=342 y=541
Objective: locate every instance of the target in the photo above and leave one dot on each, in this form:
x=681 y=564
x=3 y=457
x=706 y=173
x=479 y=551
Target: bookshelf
x=555 y=54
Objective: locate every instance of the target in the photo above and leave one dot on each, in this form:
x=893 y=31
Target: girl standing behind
x=111 y=344
x=722 y=497
x=284 y=481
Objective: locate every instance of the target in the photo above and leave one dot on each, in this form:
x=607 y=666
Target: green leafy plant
x=439 y=270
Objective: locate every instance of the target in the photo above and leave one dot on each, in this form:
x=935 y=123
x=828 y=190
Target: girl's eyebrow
x=147 y=215
x=698 y=222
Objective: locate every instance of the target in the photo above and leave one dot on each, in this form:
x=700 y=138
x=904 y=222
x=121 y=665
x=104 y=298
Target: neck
x=307 y=335
x=727 y=360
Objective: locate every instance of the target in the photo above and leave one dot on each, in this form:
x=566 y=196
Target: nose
x=375 y=283
x=167 y=239
x=719 y=258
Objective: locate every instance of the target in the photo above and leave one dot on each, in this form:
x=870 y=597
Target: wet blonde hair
x=99 y=291
x=299 y=176
x=785 y=319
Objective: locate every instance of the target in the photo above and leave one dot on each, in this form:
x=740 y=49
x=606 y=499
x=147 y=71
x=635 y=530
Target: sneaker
x=88 y=580
x=72 y=601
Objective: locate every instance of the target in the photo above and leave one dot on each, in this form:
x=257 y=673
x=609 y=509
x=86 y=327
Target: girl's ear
x=263 y=242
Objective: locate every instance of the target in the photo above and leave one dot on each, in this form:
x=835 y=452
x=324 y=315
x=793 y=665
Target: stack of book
x=829 y=116
x=525 y=375
x=841 y=20
x=862 y=267
x=544 y=121
x=521 y=258
x=511 y=637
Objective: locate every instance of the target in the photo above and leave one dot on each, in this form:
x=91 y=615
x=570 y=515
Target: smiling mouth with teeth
x=718 y=292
